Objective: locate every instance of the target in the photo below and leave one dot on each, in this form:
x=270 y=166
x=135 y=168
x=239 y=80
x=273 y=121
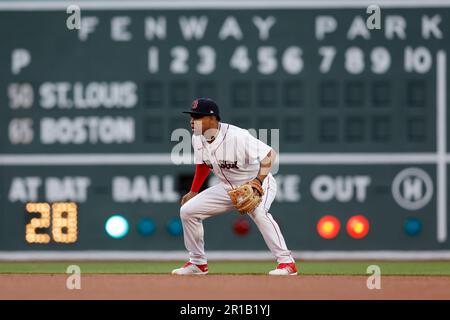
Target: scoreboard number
x=20 y=131
x=270 y=59
x=43 y=222
x=20 y=95
x=64 y=222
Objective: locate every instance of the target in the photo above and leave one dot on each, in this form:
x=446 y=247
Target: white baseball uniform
x=234 y=156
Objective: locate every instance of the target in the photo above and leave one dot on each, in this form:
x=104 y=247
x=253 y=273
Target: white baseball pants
x=214 y=201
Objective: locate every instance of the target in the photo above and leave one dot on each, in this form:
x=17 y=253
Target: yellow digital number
x=64 y=222
x=43 y=222
x=69 y=222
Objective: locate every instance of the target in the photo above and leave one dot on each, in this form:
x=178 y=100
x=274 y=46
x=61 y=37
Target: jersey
x=234 y=156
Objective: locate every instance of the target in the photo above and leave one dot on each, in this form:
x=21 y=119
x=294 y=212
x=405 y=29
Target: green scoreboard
x=90 y=120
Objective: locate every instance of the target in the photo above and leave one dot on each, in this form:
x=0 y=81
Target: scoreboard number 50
x=64 y=221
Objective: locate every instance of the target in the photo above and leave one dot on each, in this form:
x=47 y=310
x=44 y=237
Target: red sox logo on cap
x=195 y=104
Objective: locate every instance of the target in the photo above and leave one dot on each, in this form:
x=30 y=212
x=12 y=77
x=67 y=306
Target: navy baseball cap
x=204 y=107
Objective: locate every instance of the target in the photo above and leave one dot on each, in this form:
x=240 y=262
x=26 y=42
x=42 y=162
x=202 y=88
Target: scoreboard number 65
x=63 y=219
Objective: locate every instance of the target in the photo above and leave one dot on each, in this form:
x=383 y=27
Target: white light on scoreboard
x=116 y=226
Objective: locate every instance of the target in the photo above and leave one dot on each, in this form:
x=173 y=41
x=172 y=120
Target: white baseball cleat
x=284 y=269
x=191 y=269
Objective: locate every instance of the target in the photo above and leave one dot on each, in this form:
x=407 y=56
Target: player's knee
x=258 y=215
x=255 y=218
x=185 y=212
x=188 y=212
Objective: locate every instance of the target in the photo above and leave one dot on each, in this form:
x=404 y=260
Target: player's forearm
x=201 y=172
x=266 y=165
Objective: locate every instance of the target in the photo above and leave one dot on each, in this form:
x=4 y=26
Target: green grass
x=439 y=268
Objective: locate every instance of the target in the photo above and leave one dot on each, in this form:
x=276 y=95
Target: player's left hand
x=247 y=196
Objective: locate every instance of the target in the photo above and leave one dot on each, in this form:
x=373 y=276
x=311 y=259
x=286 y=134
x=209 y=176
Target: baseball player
x=237 y=159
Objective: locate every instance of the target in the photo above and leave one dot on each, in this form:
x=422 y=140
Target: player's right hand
x=188 y=196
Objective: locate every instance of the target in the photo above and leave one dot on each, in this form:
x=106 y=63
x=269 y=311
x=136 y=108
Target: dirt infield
x=166 y=287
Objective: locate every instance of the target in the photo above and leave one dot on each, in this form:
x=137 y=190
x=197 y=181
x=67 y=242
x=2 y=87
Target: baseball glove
x=247 y=197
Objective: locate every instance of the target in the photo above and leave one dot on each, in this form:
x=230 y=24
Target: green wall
x=352 y=115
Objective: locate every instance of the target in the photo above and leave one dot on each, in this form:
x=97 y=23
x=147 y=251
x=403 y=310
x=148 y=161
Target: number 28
x=64 y=222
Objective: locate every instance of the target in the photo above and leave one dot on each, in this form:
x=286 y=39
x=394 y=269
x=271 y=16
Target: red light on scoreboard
x=328 y=227
x=358 y=227
x=241 y=227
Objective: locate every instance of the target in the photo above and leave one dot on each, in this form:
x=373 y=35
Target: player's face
x=197 y=126
x=200 y=124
